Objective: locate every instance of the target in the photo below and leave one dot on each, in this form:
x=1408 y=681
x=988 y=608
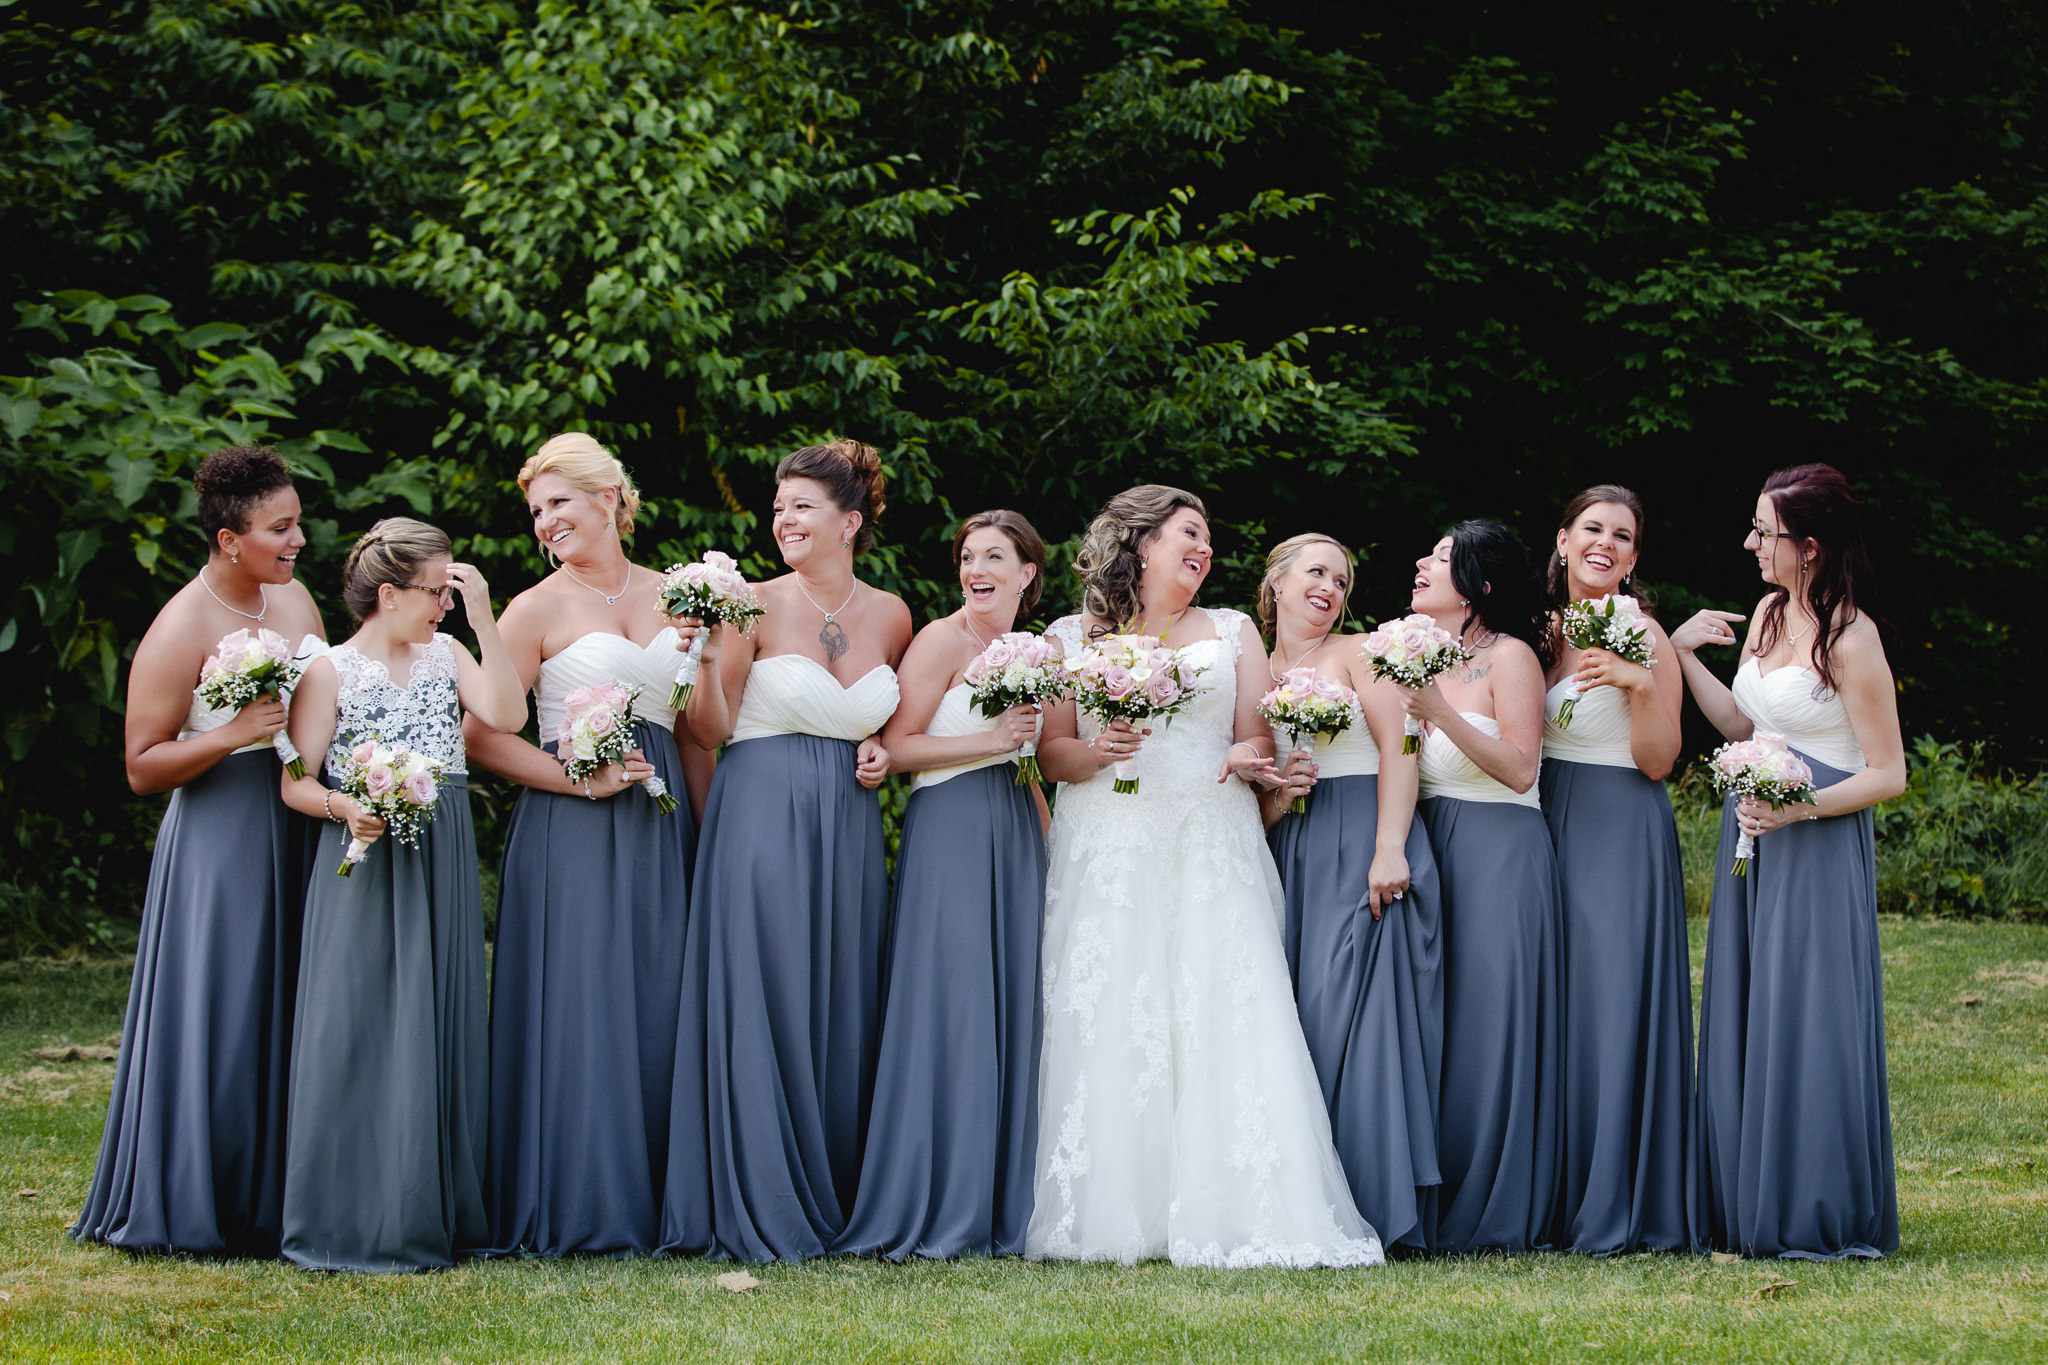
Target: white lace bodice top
x=1790 y=701
x=794 y=694
x=424 y=716
x=199 y=717
x=1351 y=754
x=1599 y=732
x=602 y=657
x=956 y=716
x=1446 y=771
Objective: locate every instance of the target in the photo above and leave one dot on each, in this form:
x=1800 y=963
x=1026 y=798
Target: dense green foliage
x=1353 y=266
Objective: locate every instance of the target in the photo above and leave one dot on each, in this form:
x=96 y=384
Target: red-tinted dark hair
x=1816 y=506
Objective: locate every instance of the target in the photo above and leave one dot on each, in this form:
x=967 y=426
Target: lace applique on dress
x=424 y=716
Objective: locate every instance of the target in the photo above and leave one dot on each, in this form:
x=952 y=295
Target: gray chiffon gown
x=782 y=974
x=1630 y=1128
x=389 y=1078
x=1498 y=1137
x=1793 y=1090
x=192 y=1157
x=1370 y=992
x=954 y=1128
x=587 y=982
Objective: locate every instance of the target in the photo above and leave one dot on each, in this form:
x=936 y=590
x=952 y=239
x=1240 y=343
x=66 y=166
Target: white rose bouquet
x=713 y=591
x=244 y=667
x=1306 y=705
x=1412 y=651
x=1615 y=623
x=396 y=786
x=1018 y=668
x=1764 y=767
x=1132 y=678
x=596 y=729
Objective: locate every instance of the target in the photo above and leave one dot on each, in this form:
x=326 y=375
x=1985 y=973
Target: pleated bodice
x=602 y=657
x=1599 y=732
x=1790 y=701
x=1351 y=754
x=794 y=694
x=199 y=717
x=1446 y=771
x=956 y=716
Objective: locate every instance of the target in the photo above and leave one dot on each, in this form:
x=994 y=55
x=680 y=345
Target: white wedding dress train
x=1179 y=1113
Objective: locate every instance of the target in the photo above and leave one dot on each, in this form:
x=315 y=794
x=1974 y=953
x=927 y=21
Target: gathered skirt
x=1498 y=1142
x=954 y=1128
x=192 y=1157
x=389 y=1062
x=782 y=981
x=1630 y=1130
x=1370 y=995
x=585 y=991
x=1793 y=1093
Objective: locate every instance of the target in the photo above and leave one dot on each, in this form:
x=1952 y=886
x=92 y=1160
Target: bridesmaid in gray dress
x=1364 y=927
x=388 y=1082
x=1629 y=1126
x=192 y=1158
x=1498 y=1139
x=782 y=966
x=1793 y=1091
x=955 y=1125
x=588 y=974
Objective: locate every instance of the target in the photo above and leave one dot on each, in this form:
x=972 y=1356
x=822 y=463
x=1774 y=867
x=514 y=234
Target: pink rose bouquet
x=1615 y=623
x=713 y=591
x=596 y=729
x=396 y=786
x=1306 y=705
x=1412 y=651
x=244 y=667
x=1016 y=669
x=1132 y=678
x=1764 y=767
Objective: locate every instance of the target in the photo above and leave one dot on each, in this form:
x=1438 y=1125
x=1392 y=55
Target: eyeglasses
x=1762 y=532
x=447 y=595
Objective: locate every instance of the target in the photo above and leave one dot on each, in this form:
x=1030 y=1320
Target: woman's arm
x=1250 y=755
x=490 y=690
x=1515 y=681
x=721 y=678
x=1864 y=681
x=926 y=676
x=160 y=683
x=1655 y=697
x=1399 y=781
x=312 y=731
x=1712 y=629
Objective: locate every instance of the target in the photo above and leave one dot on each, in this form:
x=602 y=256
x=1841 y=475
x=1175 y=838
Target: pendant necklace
x=1298 y=662
x=252 y=615
x=968 y=622
x=611 y=599
x=832 y=635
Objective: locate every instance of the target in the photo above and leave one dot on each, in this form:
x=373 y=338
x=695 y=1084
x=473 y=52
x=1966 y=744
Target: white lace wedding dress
x=1179 y=1114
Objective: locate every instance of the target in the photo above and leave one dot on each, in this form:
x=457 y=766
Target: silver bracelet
x=327 y=805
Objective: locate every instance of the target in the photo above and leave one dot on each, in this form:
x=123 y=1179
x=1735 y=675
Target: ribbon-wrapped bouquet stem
x=1764 y=767
x=1412 y=651
x=245 y=666
x=397 y=786
x=1307 y=706
x=596 y=729
x=712 y=590
x=1016 y=669
x=1614 y=623
x=1133 y=678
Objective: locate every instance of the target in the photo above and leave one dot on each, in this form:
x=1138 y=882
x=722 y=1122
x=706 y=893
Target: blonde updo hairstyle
x=852 y=477
x=589 y=468
x=1111 y=560
x=1281 y=558
x=389 y=552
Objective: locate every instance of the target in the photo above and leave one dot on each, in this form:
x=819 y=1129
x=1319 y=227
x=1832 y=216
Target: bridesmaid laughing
x=954 y=1133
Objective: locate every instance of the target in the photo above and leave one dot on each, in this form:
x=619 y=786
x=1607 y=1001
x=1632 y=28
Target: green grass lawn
x=1969 y=1055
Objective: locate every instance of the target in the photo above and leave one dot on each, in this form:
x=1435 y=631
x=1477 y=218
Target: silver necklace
x=968 y=622
x=252 y=615
x=1298 y=662
x=832 y=635
x=611 y=599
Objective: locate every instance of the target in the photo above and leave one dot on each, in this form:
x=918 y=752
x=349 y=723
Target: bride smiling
x=1179 y=1114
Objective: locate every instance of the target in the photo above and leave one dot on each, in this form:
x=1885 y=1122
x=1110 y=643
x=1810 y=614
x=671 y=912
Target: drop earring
x=236 y=558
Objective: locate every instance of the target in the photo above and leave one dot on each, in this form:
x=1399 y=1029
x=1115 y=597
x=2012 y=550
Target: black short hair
x=232 y=481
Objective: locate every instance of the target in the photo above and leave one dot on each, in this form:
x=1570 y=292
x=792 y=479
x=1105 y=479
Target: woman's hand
x=1387 y=880
x=871 y=762
x=1427 y=704
x=1116 y=743
x=1706 y=627
x=1016 y=728
x=1242 y=760
x=254 y=723
x=1605 y=668
x=614 y=778
x=1760 y=817
x=688 y=628
x=475 y=594
x=1296 y=778
x=362 y=825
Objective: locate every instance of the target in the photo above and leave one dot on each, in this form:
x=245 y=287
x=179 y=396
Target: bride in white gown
x=1179 y=1113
